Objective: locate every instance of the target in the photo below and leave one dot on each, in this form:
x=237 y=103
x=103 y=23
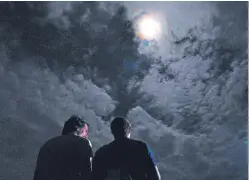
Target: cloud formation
x=192 y=109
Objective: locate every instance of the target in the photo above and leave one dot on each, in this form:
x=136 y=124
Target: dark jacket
x=132 y=155
x=65 y=157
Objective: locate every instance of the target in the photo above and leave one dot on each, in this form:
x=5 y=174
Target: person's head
x=77 y=126
x=120 y=128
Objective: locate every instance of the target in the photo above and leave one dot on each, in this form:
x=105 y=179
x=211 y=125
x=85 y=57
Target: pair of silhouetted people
x=69 y=156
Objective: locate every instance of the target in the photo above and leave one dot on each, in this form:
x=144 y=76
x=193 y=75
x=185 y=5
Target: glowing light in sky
x=148 y=28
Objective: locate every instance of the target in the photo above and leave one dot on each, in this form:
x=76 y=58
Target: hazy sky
x=176 y=17
x=202 y=95
x=179 y=16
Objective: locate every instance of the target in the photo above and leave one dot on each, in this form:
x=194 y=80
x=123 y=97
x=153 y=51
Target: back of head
x=73 y=125
x=120 y=128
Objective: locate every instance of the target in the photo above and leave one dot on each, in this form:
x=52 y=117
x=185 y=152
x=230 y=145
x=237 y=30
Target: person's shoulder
x=103 y=150
x=51 y=143
x=145 y=150
x=65 y=139
x=82 y=141
x=88 y=142
x=137 y=143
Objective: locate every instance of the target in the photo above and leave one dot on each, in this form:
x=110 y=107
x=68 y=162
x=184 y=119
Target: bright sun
x=148 y=28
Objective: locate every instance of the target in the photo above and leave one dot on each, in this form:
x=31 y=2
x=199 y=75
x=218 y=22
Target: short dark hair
x=73 y=125
x=120 y=127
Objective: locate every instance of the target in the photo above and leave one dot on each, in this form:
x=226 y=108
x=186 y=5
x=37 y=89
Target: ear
x=78 y=131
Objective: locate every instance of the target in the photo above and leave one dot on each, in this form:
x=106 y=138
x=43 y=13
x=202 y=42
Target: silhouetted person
x=66 y=157
x=124 y=158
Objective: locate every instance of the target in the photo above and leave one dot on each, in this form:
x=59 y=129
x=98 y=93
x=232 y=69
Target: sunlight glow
x=148 y=28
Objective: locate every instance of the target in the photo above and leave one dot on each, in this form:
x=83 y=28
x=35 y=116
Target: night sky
x=176 y=70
